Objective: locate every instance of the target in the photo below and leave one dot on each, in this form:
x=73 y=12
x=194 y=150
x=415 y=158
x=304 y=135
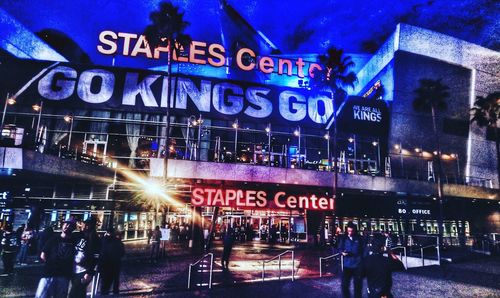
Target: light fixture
x=68 y=118
x=296 y=133
x=268 y=129
x=327 y=136
x=397 y=147
x=36 y=107
x=453 y=155
x=235 y=124
x=435 y=153
x=11 y=101
x=374 y=143
x=350 y=139
x=417 y=150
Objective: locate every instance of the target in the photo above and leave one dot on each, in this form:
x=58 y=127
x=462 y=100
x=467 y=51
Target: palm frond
x=430 y=93
x=486 y=110
x=334 y=74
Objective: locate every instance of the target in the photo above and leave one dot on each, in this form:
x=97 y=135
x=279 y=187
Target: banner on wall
x=111 y=88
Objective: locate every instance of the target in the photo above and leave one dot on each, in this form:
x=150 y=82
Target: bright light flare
x=150 y=186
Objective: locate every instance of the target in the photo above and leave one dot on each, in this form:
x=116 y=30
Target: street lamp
x=8 y=101
x=190 y=121
x=268 y=131
x=399 y=147
x=198 y=142
x=297 y=134
x=236 y=125
x=327 y=138
x=376 y=144
x=38 y=108
x=455 y=156
x=69 y=119
x=353 y=140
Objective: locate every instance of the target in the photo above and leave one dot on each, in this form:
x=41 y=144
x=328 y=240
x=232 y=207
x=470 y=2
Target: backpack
x=9 y=242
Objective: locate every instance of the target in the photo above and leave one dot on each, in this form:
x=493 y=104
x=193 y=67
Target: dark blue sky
x=295 y=26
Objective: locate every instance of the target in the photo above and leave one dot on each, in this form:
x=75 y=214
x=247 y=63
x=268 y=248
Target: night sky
x=294 y=26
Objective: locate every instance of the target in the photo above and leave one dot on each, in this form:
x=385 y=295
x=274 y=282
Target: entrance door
x=284 y=229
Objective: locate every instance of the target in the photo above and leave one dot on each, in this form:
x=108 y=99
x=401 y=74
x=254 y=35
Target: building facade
x=83 y=140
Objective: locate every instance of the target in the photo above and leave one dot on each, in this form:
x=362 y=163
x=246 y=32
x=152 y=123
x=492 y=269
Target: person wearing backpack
x=352 y=249
x=378 y=268
x=110 y=258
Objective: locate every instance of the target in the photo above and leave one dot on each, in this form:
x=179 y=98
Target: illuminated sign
x=134 y=45
x=97 y=87
x=250 y=199
x=364 y=113
x=373 y=88
x=415 y=208
x=364 y=116
x=415 y=211
x=5 y=199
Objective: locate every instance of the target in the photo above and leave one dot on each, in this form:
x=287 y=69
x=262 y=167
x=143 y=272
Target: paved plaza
x=476 y=277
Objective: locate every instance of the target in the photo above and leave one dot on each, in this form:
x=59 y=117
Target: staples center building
x=249 y=142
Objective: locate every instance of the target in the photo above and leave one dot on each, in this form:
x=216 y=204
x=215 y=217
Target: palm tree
x=486 y=113
x=431 y=97
x=335 y=76
x=167 y=28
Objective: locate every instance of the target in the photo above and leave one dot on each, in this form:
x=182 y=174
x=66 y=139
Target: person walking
x=87 y=248
x=112 y=252
x=155 y=245
x=43 y=237
x=8 y=245
x=388 y=244
x=58 y=254
x=228 y=242
x=351 y=247
x=19 y=232
x=378 y=269
x=26 y=238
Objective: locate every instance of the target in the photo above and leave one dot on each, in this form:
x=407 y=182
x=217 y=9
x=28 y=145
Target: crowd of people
x=71 y=258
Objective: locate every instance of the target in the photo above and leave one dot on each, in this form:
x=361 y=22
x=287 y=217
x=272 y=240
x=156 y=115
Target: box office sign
x=259 y=199
x=77 y=86
x=415 y=209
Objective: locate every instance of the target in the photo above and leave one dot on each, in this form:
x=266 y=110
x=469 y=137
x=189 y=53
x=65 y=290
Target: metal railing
x=211 y=255
x=95 y=284
x=400 y=256
x=429 y=246
x=279 y=264
x=321 y=259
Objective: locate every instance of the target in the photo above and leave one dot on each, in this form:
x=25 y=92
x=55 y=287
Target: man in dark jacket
x=378 y=269
x=351 y=247
x=43 y=237
x=8 y=245
x=112 y=252
x=58 y=254
x=228 y=241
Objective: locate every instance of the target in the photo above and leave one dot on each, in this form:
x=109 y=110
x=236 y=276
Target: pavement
x=478 y=277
